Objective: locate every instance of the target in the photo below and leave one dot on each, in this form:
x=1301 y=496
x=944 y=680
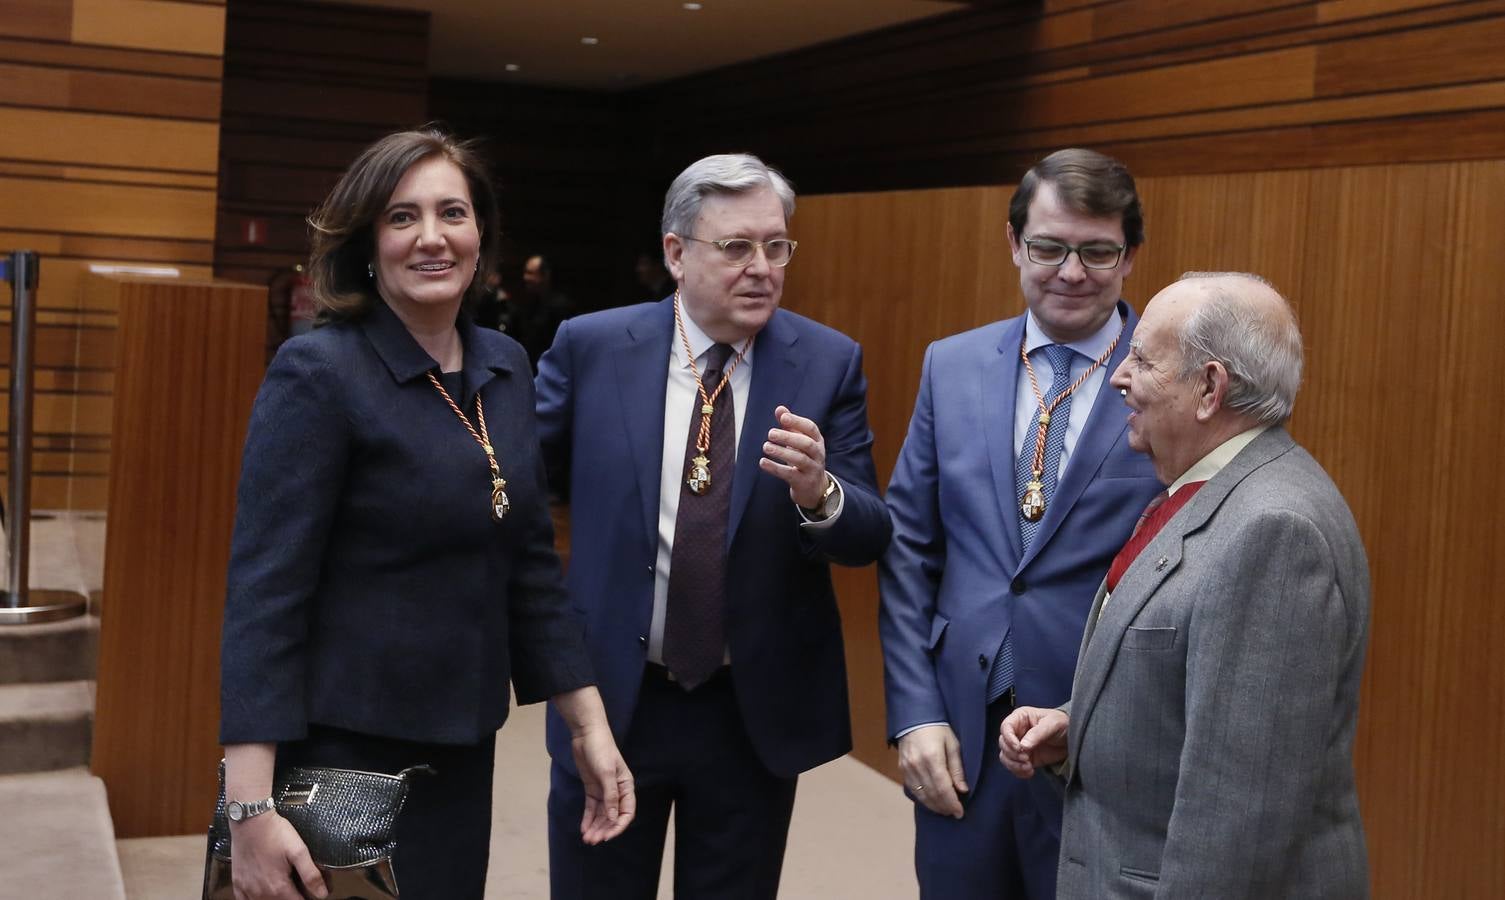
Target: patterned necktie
x=694 y=619
x=1060 y=357
x=1001 y=678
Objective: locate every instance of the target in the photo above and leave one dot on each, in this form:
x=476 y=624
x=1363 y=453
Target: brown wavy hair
x=343 y=227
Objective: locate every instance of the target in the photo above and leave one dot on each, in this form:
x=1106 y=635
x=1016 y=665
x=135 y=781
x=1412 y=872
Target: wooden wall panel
x=1450 y=54
x=975 y=97
x=87 y=139
x=307 y=87
x=1390 y=271
x=190 y=359
x=109 y=154
x=1172 y=87
x=126 y=210
x=46 y=20
x=167 y=25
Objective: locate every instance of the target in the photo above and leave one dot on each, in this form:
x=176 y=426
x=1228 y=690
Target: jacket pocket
x=1144 y=875
x=1150 y=638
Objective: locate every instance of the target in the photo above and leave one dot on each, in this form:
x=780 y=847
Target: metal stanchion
x=19 y=605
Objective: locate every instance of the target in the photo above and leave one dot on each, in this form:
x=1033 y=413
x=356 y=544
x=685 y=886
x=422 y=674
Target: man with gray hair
x=719 y=458
x=1207 y=749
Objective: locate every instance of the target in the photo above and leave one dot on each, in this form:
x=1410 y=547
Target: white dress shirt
x=1087 y=350
x=678 y=398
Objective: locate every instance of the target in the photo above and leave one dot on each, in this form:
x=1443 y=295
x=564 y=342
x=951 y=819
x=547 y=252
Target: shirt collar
x=1091 y=346
x=1213 y=463
x=700 y=342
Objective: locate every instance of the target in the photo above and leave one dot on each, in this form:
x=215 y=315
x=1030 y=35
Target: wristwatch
x=827 y=503
x=237 y=811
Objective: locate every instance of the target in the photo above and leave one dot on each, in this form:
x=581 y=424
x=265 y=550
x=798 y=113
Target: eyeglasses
x=1046 y=252
x=740 y=251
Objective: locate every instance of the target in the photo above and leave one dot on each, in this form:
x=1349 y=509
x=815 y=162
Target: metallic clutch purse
x=347 y=818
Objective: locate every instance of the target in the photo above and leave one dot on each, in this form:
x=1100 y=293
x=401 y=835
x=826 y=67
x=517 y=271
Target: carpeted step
x=50 y=651
x=56 y=837
x=45 y=726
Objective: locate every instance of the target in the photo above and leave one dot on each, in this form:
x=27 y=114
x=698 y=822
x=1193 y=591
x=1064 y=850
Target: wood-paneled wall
x=1171 y=87
x=109 y=142
x=307 y=87
x=1391 y=271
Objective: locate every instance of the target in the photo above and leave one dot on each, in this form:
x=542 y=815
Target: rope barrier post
x=19 y=605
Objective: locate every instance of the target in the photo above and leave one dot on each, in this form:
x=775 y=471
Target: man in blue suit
x=1014 y=489
x=719 y=458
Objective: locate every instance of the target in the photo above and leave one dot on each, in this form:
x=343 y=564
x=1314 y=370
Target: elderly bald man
x=1207 y=747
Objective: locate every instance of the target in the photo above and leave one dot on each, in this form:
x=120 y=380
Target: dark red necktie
x=694 y=614
x=1154 y=518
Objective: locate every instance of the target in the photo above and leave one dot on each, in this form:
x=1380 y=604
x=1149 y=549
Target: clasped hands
x=1031 y=737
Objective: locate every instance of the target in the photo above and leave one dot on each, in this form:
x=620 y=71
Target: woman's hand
x=610 y=799
x=269 y=860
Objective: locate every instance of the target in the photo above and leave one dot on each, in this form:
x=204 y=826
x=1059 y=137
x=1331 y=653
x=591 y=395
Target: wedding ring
x=918 y=788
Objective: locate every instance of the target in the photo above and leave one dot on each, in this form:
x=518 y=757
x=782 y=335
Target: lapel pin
x=1161 y=563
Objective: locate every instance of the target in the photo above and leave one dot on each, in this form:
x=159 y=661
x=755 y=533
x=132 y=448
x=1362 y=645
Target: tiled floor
x=851 y=835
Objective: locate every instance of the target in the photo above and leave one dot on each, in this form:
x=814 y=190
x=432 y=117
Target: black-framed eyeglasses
x=1094 y=255
x=740 y=251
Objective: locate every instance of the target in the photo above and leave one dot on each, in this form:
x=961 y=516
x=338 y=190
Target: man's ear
x=1212 y=389
x=674 y=251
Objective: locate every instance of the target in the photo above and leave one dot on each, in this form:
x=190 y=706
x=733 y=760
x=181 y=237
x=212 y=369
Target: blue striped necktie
x=1060 y=356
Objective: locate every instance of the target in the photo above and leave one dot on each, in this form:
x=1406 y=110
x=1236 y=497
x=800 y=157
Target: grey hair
x=1262 y=352
x=725 y=173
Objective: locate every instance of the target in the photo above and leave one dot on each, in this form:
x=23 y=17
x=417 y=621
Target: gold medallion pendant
x=499 y=502
x=1033 y=504
x=699 y=479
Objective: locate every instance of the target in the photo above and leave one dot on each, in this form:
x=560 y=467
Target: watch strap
x=253 y=809
x=823 y=510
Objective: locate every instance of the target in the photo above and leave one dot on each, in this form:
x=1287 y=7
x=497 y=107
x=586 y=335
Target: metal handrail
x=19 y=604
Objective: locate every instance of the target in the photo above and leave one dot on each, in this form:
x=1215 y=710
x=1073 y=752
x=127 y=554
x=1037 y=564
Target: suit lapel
x=1161 y=557
x=996 y=401
x=776 y=375
x=1103 y=428
x=642 y=369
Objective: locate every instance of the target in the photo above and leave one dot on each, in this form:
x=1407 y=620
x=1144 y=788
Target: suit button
x=642 y=640
x=982 y=661
x=1018 y=586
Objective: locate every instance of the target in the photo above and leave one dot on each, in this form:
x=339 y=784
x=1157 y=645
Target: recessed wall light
x=590 y=41
x=117 y=269
x=512 y=67
x=691 y=6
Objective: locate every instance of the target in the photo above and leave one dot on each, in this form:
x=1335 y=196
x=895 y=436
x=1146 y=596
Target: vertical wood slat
x=1393 y=279
x=109 y=132
x=189 y=359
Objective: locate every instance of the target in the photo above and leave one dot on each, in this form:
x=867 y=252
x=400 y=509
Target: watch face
x=235 y=811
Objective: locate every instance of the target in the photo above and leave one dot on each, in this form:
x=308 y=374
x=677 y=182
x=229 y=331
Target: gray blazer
x=1214 y=705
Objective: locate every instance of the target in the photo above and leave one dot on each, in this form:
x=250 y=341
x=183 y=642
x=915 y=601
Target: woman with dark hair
x=392 y=568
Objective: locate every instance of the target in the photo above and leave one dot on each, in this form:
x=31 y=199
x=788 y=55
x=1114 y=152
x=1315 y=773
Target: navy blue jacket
x=601 y=403
x=369 y=588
